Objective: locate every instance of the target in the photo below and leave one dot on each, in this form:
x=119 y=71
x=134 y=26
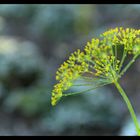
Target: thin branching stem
x=122 y=60
x=129 y=64
x=74 y=93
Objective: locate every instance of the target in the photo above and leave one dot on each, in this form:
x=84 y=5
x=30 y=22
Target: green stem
x=130 y=108
x=129 y=64
x=83 y=84
x=74 y=93
x=122 y=60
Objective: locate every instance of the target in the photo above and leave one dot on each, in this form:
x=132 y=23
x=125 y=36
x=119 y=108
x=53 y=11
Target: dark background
x=34 y=41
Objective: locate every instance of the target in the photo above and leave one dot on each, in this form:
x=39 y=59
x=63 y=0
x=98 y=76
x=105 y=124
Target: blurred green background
x=34 y=41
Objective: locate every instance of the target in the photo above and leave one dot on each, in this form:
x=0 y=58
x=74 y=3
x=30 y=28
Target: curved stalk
x=130 y=108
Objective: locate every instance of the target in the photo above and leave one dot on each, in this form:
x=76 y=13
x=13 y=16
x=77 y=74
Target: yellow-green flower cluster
x=129 y=38
x=67 y=73
x=98 y=58
x=102 y=58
